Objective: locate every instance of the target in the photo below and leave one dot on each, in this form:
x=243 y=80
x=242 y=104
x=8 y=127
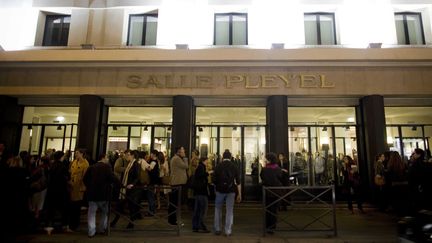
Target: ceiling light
x=59 y=127
x=350 y=119
x=60 y=118
x=145 y=128
x=115 y=128
x=200 y=129
x=324 y=129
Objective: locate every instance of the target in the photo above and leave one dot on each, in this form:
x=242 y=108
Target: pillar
x=277 y=124
x=374 y=133
x=183 y=123
x=90 y=120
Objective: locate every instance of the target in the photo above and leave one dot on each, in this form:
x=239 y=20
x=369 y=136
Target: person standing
x=98 y=180
x=227 y=184
x=131 y=180
x=77 y=170
x=178 y=169
x=352 y=183
x=58 y=197
x=200 y=190
x=271 y=175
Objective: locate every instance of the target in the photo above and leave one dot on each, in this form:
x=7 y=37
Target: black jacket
x=223 y=167
x=200 y=180
x=98 y=180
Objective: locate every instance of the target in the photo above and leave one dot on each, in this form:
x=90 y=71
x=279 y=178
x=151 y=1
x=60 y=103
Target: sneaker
x=218 y=232
x=49 y=230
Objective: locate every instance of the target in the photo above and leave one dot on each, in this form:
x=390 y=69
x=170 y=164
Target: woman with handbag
x=379 y=181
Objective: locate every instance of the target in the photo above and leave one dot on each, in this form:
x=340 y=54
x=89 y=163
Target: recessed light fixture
x=350 y=119
x=60 y=118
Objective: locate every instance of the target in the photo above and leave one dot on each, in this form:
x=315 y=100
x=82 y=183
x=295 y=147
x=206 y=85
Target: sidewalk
x=373 y=226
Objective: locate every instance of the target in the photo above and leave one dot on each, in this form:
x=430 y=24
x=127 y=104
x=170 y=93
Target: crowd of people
x=50 y=192
x=404 y=187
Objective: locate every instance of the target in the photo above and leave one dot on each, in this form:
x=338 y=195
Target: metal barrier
x=157 y=219
x=315 y=202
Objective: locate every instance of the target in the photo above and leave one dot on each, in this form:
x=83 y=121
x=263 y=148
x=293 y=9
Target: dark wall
x=10 y=119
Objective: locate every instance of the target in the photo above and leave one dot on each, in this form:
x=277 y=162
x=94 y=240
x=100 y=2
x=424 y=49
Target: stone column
x=277 y=124
x=90 y=120
x=183 y=123
x=374 y=133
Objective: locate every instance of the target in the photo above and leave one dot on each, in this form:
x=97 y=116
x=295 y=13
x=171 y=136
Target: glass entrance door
x=312 y=152
x=247 y=146
x=139 y=137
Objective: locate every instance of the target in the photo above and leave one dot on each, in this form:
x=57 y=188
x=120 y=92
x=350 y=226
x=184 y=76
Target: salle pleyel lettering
x=202 y=81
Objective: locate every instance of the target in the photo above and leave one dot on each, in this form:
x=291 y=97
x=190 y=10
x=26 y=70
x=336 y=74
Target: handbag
x=379 y=180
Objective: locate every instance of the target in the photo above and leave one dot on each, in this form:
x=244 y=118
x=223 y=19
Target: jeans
x=228 y=198
x=91 y=216
x=199 y=214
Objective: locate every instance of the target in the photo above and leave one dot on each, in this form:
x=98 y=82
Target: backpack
x=225 y=181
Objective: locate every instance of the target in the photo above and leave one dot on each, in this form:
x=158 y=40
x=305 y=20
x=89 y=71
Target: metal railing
x=317 y=203
x=158 y=221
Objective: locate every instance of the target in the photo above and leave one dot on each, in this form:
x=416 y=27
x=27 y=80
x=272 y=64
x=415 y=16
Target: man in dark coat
x=98 y=180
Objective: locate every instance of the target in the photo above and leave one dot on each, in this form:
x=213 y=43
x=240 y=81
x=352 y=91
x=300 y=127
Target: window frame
x=318 y=23
x=143 y=37
x=53 y=17
x=405 y=24
x=230 y=31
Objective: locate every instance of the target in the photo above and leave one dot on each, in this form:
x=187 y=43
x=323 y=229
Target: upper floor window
x=409 y=28
x=230 y=29
x=320 y=29
x=56 y=30
x=142 y=29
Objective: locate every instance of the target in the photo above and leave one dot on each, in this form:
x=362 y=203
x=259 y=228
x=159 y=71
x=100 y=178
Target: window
x=320 y=29
x=56 y=30
x=409 y=28
x=142 y=29
x=230 y=29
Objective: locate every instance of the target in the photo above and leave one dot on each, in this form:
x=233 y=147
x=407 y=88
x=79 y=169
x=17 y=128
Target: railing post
x=178 y=209
x=334 y=210
x=265 y=209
